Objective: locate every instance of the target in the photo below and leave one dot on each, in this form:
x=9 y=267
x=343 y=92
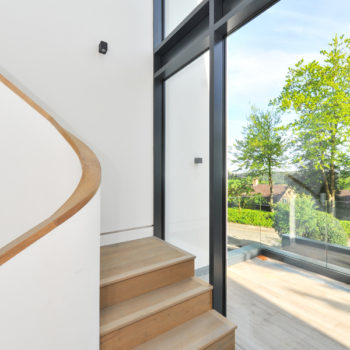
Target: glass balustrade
x=317 y=231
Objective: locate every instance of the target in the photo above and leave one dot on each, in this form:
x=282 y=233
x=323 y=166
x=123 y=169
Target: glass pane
x=187 y=160
x=288 y=128
x=306 y=231
x=175 y=11
x=241 y=232
x=338 y=236
x=288 y=100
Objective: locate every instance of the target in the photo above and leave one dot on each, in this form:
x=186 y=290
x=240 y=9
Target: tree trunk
x=331 y=199
x=271 y=188
x=332 y=205
x=332 y=192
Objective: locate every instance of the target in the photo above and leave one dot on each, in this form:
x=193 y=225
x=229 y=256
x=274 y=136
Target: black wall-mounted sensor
x=103 y=47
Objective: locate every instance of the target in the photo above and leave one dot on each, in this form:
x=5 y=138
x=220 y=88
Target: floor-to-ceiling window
x=288 y=131
x=294 y=196
x=189 y=182
x=288 y=109
x=175 y=11
x=187 y=161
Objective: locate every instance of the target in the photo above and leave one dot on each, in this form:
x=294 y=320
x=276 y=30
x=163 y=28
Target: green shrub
x=281 y=222
x=346 y=226
x=310 y=222
x=330 y=229
x=250 y=217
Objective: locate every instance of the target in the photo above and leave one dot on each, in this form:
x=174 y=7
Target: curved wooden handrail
x=86 y=189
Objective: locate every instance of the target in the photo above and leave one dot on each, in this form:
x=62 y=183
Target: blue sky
x=259 y=54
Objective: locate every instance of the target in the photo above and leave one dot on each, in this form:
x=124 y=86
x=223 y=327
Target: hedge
x=310 y=222
x=250 y=217
x=346 y=226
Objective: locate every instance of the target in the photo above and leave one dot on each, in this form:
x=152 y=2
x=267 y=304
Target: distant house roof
x=343 y=195
x=278 y=191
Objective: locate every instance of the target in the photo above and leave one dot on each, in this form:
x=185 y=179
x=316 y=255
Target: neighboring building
x=343 y=205
x=280 y=192
x=343 y=196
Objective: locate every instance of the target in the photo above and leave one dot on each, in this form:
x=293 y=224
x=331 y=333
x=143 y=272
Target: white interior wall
x=39 y=169
x=49 y=48
x=49 y=295
x=187 y=137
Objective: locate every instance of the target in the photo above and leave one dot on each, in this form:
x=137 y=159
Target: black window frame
x=205 y=28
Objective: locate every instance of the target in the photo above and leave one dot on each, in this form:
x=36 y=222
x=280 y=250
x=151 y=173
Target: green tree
x=319 y=93
x=239 y=187
x=262 y=147
x=240 y=191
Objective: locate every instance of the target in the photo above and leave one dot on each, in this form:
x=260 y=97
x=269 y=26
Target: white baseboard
x=127 y=235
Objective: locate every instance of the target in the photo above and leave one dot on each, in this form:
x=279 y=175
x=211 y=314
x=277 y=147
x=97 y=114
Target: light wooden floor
x=278 y=306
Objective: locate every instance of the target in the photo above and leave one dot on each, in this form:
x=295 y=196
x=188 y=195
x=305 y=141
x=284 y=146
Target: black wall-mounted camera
x=103 y=47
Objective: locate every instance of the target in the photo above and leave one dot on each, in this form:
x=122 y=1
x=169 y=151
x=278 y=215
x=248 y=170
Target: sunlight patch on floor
x=297 y=308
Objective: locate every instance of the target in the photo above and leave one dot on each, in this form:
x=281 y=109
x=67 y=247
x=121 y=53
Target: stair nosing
x=147 y=312
x=146 y=269
x=213 y=341
x=222 y=318
x=184 y=252
x=231 y=328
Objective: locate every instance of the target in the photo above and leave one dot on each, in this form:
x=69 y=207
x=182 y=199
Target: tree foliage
x=262 y=147
x=241 y=193
x=319 y=93
x=310 y=222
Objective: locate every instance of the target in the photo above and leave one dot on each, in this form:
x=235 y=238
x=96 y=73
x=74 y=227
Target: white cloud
x=260 y=54
x=253 y=73
x=253 y=79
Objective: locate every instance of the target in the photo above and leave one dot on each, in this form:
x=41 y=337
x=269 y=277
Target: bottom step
x=208 y=331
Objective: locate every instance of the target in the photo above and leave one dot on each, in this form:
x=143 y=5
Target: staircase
x=150 y=300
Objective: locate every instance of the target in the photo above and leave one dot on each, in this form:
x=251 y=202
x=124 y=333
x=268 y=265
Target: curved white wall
x=39 y=169
x=51 y=49
x=49 y=295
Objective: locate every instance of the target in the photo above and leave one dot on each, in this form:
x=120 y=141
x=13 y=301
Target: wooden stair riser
x=226 y=343
x=138 y=285
x=150 y=327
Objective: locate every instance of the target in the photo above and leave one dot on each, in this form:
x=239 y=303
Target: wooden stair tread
x=198 y=333
x=129 y=259
x=129 y=311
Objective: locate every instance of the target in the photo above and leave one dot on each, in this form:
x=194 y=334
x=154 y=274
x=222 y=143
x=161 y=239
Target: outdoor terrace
x=279 y=306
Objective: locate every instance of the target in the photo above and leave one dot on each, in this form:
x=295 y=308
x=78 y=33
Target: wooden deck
x=280 y=307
